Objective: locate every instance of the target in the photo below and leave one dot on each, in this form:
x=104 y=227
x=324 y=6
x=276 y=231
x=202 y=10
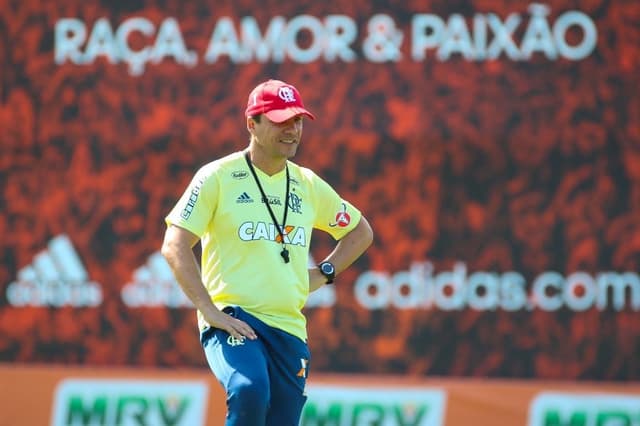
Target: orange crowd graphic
x=511 y=166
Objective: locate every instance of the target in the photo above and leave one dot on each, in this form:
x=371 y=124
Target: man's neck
x=269 y=165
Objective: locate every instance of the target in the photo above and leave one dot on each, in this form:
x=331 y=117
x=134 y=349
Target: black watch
x=328 y=270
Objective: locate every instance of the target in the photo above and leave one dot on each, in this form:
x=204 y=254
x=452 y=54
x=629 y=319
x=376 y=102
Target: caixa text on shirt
x=252 y=231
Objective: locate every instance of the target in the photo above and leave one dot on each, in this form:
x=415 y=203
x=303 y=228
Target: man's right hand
x=177 y=249
x=235 y=327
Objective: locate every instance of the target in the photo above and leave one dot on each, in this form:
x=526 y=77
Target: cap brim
x=281 y=115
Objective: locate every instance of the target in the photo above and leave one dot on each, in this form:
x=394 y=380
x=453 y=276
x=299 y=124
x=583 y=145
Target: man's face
x=278 y=139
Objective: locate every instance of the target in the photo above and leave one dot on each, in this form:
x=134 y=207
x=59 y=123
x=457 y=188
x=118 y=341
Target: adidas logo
x=244 y=198
x=56 y=277
x=153 y=284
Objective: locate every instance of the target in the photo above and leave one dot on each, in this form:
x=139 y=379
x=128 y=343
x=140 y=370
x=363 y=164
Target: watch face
x=327 y=268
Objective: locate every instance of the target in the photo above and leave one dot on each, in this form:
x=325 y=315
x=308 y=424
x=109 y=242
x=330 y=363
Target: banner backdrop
x=494 y=146
x=64 y=396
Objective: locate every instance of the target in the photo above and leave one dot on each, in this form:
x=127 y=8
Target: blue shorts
x=264 y=378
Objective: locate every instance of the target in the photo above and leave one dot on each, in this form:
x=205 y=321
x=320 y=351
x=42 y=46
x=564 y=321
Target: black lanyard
x=284 y=253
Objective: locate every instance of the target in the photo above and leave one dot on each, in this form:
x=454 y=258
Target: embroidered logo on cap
x=286 y=94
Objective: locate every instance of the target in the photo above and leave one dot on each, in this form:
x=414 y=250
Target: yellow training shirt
x=241 y=262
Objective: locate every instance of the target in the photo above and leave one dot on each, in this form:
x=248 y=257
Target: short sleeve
x=334 y=215
x=197 y=205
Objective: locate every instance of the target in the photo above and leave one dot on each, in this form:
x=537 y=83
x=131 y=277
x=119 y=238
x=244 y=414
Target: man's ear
x=251 y=125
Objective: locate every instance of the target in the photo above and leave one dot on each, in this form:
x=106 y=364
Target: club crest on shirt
x=295 y=203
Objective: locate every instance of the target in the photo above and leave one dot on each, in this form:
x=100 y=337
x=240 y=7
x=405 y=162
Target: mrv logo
x=129 y=403
x=570 y=409
x=337 y=406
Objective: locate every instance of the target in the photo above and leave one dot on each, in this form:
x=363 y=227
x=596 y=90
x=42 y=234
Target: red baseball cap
x=277 y=100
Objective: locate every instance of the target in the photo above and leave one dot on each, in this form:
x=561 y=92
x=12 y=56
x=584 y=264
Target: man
x=254 y=212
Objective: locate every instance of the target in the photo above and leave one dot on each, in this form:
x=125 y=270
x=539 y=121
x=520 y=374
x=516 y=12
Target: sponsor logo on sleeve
x=191 y=202
x=342 y=218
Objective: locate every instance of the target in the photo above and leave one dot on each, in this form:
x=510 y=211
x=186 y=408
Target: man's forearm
x=351 y=246
x=347 y=251
x=187 y=273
